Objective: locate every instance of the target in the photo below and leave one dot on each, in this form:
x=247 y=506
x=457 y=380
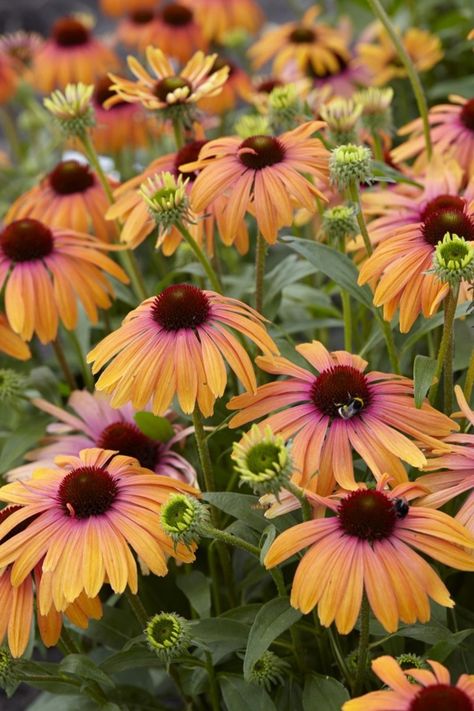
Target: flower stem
x=230 y=539
x=127 y=257
x=299 y=493
x=213 y=687
x=346 y=308
x=378 y=148
x=336 y=648
x=178 y=133
x=212 y=276
x=379 y=11
x=137 y=607
x=86 y=371
x=203 y=450
x=469 y=382
x=260 y=257
x=355 y=197
x=58 y=350
x=390 y=343
x=363 y=646
x=445 y=353
x=11 y=134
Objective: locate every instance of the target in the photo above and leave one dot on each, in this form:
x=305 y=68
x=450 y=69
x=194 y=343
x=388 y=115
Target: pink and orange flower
x=409 y=222
x=71 y=55
x=45 y=273
x=177 y=343
x=366 y=545
x=177 y=32
x=11 y=343
x=415 y=689
x=70 y=197
x=220 y=17
x=95 y=423
x=338 y=410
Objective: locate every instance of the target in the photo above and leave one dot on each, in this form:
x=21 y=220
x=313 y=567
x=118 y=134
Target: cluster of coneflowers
x=210 y=161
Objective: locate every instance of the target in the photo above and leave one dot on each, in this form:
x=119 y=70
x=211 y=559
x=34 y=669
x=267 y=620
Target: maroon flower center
x=103 y=91
x=441 y=697
x=267 y=86
x=367 y=514
x=87 y=491
x=446 y=213
x=141 y=17
x=302 y=35
x=26 y=240
x=169 y=84
x=181 y=306
x=188 y=154
x=265 y=151
x=176 y=15
x=6 y=513
x=467 y=115
x=70 y=176
x=127 y=439
x=341 y=391
x=220 y=63
x=69 y=32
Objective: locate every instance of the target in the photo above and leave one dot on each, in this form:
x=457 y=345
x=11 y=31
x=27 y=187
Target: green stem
x=126 y=257
x=299 y=493
x=68 y=643
x=211 y=275
x=68 y=375
x=390 y=343
x=378 y=148
x=346 y=308
x=86 y=371
x=336 y=648
x=445 y=360
x=11 y=134
x=355 y=197
x=213 y=687
x=379 y=11
x=230 y=539
x=178 y=133
x=260 y=257
x=363 y=646
x=137 y=607
x=203 y=450
x=469 y=382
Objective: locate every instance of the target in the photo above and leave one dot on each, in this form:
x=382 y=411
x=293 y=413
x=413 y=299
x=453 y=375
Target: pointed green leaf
x=155 y=427
x=424 y=369
x=323 y=692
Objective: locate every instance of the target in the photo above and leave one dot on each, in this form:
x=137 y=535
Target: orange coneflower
x=11 y=343
x=177 y=33
x=16 y=609
x=70 y=196
x=165 y=89
x=121 y=125
x=8 y=78
x=70 y=55
x=382 y=60
x=410 y=221
x=131 y=209
x=340 y=409
x=237 y=86
x=136 y=29
x=265 y=175
x=95 y=423
x=46 y=271
x=366 y=545
x=120 y=7
x=177 y=343
x=21 y=47
x=302 y=45
x=415 y=689
x=453 y=472
x=452 y=133
x=88 y=513
x=219 y=17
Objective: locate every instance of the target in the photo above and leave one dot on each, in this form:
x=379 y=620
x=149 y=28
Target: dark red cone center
x=26 y=240
x=367 y=514
x=69 y=32
x=265 y=151
x=467 y=115
x=87 y=491
x=70 y=177
x=341 y=391
x=446 y=213
x=181 y=306
x=176 y=15
x=169 y=84
x=441 y=697
x=127 y=439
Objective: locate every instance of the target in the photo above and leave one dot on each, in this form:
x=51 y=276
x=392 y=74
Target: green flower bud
x=340 y=222
x=12 y=385
x=350 y=164
x=262 y=460
x=9 y=677
x=376 y=110
x=284 y=106
x=341 y=116
x=453 y=260
x=181 y=518
x=269 y=670
x=72 y=109
x=166 y=199
x=252 y=125
x=168 y=635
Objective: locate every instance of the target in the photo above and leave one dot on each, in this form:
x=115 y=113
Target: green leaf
x=268 y=536
x=16 y=445
x=197 y=589
x=427 y=325
x=138 y=657
x=217 y=629
x=270 y=622
x=240 y=506
x=239 y=695
x=114 y=629
x=424 y=369
x=83 y=667
x=441 y=650
x=323 y=692
x=158 y=428
x=335 y=265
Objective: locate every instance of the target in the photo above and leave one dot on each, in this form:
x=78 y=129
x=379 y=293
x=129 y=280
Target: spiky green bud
x=350 y=164
x=168 y=635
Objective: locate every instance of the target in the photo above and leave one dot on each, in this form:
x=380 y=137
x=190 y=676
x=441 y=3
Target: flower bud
x=168 y=635
x=181 y=518
x=340 y=222
x=262 y=460
x=453 y=260
x=376 y=110
x=341 y=116
x=72 y=109
x=166 y=199
x=252 y=125
x=269 y=670
x=12 y=385
x=350 y=164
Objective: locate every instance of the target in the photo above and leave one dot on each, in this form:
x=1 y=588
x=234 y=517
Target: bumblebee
x=401 y=507
x=348 y=410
